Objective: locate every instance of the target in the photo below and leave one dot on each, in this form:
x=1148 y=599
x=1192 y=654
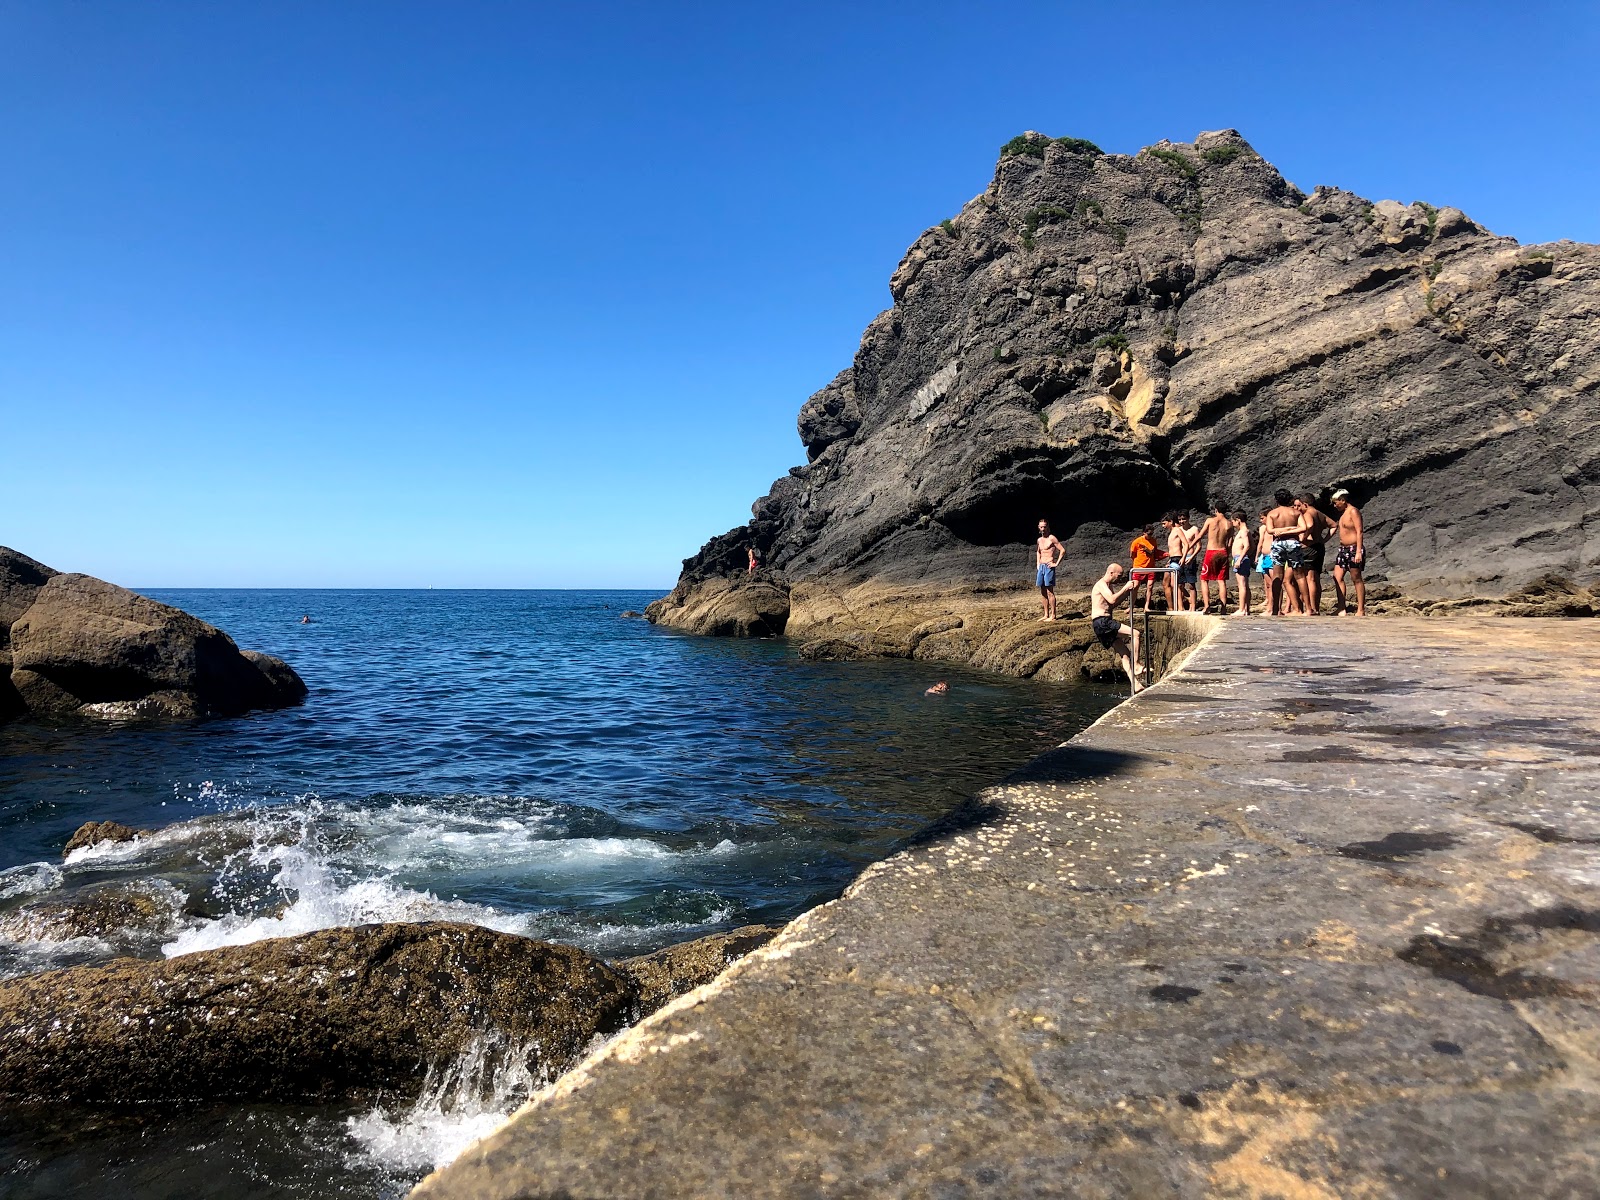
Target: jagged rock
x=631 y=613
x=79 y=645
x=1552 y=596
x=91 y=832
x=671 y=972
x=331 y=1013
x=106 y=911
x=724 y=608
x=1100 y=337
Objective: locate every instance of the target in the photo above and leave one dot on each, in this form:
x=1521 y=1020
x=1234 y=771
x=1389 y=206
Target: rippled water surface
x=529 y=761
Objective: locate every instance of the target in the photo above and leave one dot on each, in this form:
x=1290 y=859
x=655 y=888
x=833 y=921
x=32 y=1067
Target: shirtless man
x=1285 y=524
x=1169 y=581
x=1049 y=553
x=1315 y=541
x=1244 y=559
x=1217 y=531
x=1352 y=556
x=1188 y=558
x=1121 y=640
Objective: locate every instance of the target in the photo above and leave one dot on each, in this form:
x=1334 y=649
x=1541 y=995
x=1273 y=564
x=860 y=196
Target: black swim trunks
x=1315 y=555
x=1105 y=628
x=1346 y=558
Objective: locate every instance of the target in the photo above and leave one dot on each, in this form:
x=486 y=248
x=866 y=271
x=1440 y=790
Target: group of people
x=1287 y=548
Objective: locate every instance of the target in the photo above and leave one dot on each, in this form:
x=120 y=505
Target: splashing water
x=465 y=1101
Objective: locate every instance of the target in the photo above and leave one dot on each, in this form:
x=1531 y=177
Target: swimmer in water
x=306 y=620
x=938 y=689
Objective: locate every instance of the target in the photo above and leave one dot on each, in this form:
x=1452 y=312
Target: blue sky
x=379 y=293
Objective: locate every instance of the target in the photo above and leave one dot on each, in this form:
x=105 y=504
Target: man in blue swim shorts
x=1049 y=554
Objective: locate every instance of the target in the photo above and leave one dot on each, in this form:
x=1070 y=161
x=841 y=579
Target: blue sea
x=530 y=761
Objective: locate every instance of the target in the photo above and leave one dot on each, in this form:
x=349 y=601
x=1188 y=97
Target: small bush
x=1221 y=156
x=1432 y=271
x=1111 y=341
x=1366 y=215
x=1089 y=208
x=948 y=226
x=1431 y=211
x=1079 y=146
x=1119 y=233
x=1537 y=256
x=1041 y=216
x=1022 y=145
x=1173 y=159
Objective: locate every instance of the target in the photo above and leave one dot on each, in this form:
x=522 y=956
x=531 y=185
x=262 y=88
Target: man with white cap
x=1352 y=555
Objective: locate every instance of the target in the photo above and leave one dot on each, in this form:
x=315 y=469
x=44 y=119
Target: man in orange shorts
x=1142 y=554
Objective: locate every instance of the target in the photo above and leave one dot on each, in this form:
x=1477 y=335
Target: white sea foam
x=465 y=1101
x=29 y=880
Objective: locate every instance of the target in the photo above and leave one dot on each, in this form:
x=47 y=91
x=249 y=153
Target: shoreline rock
x=76 y=645
x=334 y=1013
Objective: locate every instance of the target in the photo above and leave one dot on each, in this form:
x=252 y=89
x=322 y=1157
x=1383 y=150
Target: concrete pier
x=1316 y=917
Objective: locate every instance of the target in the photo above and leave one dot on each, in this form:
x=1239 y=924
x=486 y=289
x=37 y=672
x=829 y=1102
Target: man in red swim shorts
x=1217 y=530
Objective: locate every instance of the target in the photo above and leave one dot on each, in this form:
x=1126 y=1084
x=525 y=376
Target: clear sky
x=507 y=294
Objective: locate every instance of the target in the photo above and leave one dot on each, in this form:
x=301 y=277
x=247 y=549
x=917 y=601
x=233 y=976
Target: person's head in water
x=1284 y=498
x=937 y=689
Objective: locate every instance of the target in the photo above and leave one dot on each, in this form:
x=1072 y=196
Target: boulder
x=91 y=832
x=80 y=645
x=725 y=607
x=338 y=1012
x=671 y=972
x=130 y=910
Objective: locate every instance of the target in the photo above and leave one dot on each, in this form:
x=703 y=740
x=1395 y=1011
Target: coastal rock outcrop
x=92 y=832
x=328 y=1013
x=76 y=644
x=332 y=1013
x=1098 y=338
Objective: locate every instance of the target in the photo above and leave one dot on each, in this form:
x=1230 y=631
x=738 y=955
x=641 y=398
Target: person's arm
x=1361 y=538
x=1058 y=549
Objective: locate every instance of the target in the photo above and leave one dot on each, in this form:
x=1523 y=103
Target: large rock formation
x=75 y=644
x=1099 y=337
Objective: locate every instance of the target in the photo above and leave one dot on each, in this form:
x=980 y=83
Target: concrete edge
x=634 y=1042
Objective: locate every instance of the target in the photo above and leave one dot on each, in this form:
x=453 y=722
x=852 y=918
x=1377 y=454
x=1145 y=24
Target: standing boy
x=1285 y=524
x=1048 y=556
x=1142 y=556
x=1315 y=541
x=1188 y=560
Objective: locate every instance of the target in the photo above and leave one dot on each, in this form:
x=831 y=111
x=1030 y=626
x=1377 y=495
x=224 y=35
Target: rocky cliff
x=76 y=645
x=1100 y=337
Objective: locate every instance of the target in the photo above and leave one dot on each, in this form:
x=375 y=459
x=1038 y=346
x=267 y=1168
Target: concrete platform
x=1317 y=917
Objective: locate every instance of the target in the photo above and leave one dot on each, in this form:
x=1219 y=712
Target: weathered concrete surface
x=1317 y=917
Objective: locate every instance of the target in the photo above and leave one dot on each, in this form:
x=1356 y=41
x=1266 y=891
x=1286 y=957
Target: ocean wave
x=29 y=879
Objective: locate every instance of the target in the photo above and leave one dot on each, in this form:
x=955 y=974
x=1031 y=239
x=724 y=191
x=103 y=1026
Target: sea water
x=533 y=762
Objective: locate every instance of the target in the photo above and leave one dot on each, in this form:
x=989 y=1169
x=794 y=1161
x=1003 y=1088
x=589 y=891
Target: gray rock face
x=1097 y=338
x=76 y=644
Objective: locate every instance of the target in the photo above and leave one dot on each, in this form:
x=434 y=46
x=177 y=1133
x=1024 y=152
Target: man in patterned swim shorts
x=1352 y=556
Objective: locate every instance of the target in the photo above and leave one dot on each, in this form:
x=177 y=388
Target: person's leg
x=1133 y=642
x=1338 y=590
x=1166 y=590
x=1050 y=604
x=1314 y=590
x=1044 y=602
x=1361 y=590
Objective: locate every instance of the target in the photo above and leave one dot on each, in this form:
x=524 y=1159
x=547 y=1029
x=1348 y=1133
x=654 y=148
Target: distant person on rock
x=754 y=562
x=1352 y=556
x=1049 y=554
x=1244 y=559
x=1142 y=556
x=1217 y=531
x=1315 y=541
x=1122 y=640
x=1284 y=525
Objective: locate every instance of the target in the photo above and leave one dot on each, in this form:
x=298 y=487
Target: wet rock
x=671 y=972
x=91 y=832
x=630 y=613
x=134 y=910
x=338 y=1012
x=79 y=645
